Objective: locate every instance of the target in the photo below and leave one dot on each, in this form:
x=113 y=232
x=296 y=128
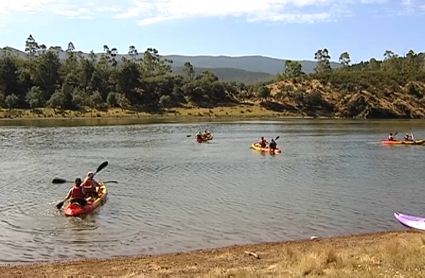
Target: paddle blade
x=277 y=138
x=110 y=182
x=188 y=135
x=59 y=180
x=59 y=206
x=101 y=166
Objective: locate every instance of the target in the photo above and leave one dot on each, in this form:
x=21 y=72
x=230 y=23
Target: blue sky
x=289 y=29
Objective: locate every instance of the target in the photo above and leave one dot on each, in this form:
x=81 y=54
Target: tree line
x=411 y=63
x=146 y=80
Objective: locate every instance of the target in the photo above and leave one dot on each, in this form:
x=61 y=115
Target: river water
x=332 y=178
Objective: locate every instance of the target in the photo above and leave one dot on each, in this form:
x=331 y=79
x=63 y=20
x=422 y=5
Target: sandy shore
x=386 y=254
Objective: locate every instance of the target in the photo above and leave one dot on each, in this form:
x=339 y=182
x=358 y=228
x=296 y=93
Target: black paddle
x=58 y=180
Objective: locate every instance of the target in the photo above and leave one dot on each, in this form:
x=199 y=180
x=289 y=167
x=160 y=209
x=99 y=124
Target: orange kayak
x=75 y=209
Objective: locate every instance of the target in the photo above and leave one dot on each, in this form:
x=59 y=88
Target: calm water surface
x=332 y=178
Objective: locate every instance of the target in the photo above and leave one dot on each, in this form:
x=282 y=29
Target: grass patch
x=241 y=111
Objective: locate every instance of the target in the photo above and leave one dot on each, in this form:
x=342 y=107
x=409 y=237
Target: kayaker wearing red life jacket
x=263 y=142
x=90 y=186
x=76 y=193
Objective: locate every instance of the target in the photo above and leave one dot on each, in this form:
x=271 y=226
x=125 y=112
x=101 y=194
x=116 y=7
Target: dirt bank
x=382 y=254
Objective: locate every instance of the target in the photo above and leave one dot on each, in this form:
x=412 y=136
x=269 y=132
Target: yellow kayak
x=398 y=142
x=257 y=147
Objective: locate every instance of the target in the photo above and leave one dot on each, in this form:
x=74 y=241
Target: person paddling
x=408 y=137
x=263 y=142
x=272 y=145
x=76 y=193
x=391 y=137
x=90 y=186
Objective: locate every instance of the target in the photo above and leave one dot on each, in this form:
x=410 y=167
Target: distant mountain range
x=247 y=69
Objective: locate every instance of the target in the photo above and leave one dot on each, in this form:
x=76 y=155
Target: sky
x=287 y=29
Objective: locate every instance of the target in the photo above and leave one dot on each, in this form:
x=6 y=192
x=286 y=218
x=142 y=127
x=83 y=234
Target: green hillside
x=246 y=69
x=232 y=75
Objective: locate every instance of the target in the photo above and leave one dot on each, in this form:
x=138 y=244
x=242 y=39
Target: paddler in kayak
x=90 y=186
x=263 y=142
x=207 y=133
x=390 y=137
x=199 y=135
x=272 y=145
x=407 y=137
x=76 y=193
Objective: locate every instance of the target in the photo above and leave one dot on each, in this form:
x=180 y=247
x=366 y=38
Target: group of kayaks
x=91 y=204
x=255 y=146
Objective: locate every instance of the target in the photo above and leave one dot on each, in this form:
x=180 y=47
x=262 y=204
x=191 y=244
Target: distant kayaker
x=263 y=142
x=390 y=137
x=199 y=135
x=206 y=133
x=76 y=193
x=407 y=137
x=272 y=145
x=90 y=186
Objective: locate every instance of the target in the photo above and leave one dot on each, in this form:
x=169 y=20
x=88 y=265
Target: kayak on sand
x=257 y=147
x=410 y=221
x=399 y=142
x=75 y=209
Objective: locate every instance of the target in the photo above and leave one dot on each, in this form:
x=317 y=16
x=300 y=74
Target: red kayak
x=75 y=209
x=204 y=138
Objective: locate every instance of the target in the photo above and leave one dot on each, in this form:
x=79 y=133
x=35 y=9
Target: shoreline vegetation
x=144 y=85
x=386 y=254
x=240 y=111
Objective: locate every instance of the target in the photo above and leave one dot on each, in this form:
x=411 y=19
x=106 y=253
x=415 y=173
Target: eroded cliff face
x=348 y=100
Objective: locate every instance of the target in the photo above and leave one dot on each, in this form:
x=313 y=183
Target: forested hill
x=393 y=87
x=233 y=75
x=245 y=69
